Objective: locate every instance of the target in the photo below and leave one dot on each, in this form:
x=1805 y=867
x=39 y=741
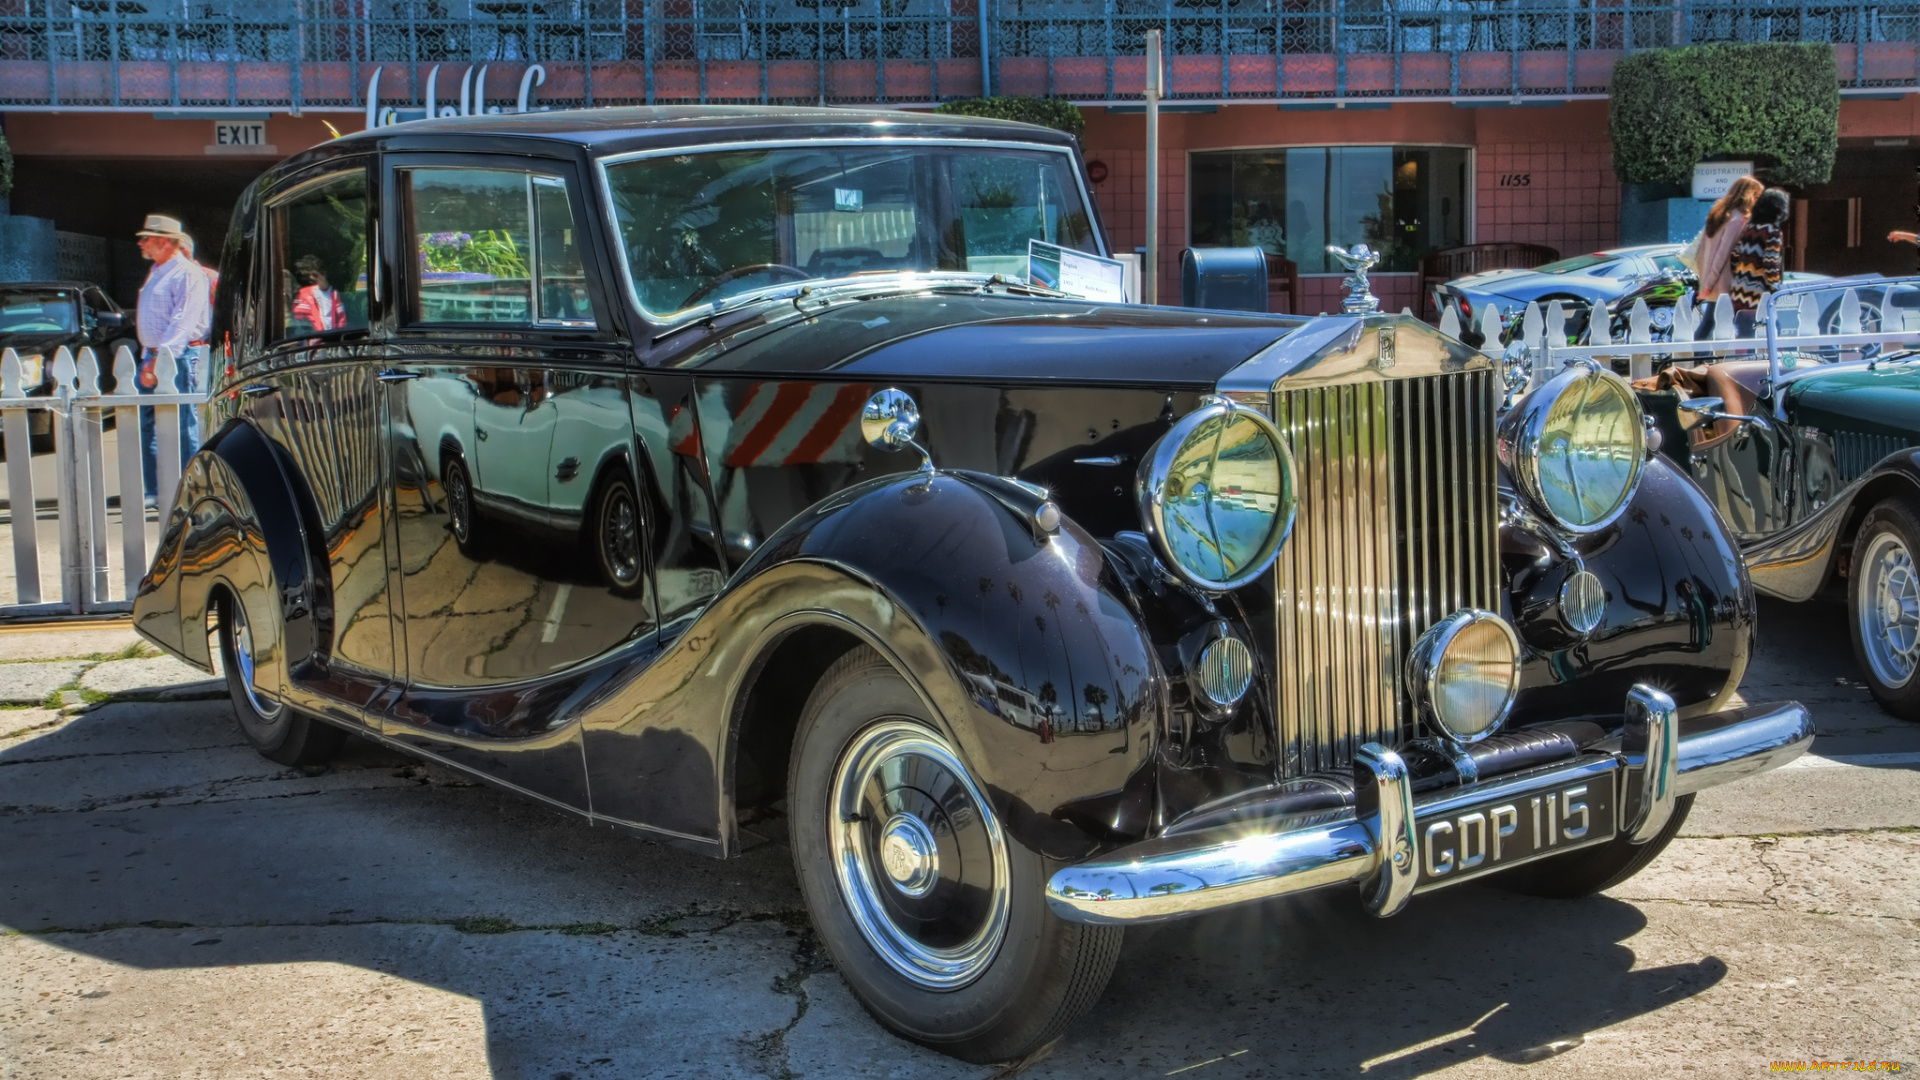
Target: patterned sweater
x=1757 y=262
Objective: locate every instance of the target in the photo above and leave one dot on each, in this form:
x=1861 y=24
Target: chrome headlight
x=1465 y=673
x=1217 y=495
x=1575 y=447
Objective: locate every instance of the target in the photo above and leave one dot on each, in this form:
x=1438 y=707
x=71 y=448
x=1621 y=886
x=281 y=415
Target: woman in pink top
x=1724 y=224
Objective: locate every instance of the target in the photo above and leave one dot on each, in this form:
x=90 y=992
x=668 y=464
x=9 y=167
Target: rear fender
x=235 y=523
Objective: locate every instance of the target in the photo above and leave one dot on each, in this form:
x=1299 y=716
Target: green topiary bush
x=1778 y=103
x=1046 y=112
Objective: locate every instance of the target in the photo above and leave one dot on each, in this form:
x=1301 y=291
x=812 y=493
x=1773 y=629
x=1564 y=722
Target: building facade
x=1413 y=125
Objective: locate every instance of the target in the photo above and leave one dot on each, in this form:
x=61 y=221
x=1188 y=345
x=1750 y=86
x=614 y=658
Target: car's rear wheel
x=456 y=487
x=615 y=536
x=1595 y=869
x=278 y=731
x=932 y=912
x=1883 y=605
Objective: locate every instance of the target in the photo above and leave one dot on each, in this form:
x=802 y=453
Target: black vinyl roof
x=612 y=130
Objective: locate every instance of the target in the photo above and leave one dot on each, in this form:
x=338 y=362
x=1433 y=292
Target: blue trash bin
x=1226 y=279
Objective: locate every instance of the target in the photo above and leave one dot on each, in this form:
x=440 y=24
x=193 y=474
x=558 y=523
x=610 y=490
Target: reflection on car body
x=711 y=472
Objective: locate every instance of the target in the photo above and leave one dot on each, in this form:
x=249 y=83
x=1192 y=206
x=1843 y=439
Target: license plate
x=1480 y=838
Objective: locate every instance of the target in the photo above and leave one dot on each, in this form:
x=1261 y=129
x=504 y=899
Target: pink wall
x=1569 y=200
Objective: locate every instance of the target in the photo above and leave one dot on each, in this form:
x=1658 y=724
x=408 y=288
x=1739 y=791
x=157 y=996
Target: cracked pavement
x=174 y=905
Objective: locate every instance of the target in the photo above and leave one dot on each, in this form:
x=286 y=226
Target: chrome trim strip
x=1648 y=743
x=661 y=322
x=1175 y=876
x=1259 y=372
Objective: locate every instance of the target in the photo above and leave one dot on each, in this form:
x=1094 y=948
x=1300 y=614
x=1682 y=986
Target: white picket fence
x=79 y=411
x=1796 y=308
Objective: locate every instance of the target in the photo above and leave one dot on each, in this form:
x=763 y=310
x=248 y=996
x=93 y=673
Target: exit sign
x=240 y=137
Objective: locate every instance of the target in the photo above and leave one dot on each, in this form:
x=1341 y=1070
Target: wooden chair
x=1448 y=263
x=1283 y=276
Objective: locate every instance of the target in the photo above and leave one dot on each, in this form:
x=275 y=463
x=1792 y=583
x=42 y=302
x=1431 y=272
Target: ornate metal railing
x=143 y=54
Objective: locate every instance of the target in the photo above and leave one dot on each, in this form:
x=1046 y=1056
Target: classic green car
x=1809 y=452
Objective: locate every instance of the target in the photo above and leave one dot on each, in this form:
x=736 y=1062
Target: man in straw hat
x=174 y=313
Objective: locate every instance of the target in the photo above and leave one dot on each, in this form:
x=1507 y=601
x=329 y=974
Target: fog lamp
x=1224 y=672
x=1464 y=673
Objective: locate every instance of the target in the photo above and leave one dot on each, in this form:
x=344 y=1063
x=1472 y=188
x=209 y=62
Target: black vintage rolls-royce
x=714 y=473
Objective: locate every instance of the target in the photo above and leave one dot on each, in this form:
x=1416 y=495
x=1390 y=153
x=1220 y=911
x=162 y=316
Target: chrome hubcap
x=264 y=707
x=458 y=510
x=620 y=543
x=918 y=855
x=910 y=854
x=1889 y=610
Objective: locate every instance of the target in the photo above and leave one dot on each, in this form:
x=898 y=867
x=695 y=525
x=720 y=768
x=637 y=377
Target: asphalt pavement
x=174 y=905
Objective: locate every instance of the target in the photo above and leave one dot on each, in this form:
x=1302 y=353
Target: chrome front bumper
x=1373 y=845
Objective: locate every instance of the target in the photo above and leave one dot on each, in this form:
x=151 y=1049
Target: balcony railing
x=147 y=54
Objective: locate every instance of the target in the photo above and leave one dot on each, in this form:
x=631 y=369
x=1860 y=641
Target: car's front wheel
x=278 y=731
x=932 y=912
x=1883 y=605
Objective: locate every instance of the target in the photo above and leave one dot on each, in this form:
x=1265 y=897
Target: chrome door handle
x=394 y=375
x=258 y=389
x=480 y=433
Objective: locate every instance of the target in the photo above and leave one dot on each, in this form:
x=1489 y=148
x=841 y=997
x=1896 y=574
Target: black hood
x=995 y=338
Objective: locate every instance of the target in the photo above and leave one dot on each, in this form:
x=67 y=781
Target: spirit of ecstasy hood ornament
x=1358 y=259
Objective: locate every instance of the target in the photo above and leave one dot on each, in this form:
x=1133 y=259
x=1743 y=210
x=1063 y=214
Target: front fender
x=1679 y=607
x=1795 y=563
x=1024 y=648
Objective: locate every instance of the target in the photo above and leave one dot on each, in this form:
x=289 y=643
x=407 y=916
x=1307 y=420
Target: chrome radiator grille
x=1396 y=529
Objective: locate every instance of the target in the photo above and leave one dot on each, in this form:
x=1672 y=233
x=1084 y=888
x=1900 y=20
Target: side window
x=563 y=274
x=319 y=258
x=495 y=246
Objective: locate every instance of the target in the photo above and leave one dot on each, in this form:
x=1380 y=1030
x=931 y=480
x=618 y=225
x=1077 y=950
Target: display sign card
x=1076 y=273
x=1711 y=179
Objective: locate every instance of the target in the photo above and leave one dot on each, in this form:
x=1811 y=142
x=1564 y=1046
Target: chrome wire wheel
x=264 y=707
x=918 y=855
x=620 y=536
x=1888 y=607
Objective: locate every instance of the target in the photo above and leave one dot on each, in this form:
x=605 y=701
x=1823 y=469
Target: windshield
x=702 y=227
x=38 y=311
x=1577 y=264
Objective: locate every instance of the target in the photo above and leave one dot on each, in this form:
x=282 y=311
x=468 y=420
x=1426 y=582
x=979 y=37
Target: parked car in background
x=38 y=317
x=1597 y=278
x=1810 y=459
x=714 y=474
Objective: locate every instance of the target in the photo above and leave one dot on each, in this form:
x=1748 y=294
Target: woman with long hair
x=1725 y=222
x=1759 y=258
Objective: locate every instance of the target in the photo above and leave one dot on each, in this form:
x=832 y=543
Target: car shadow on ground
x=589 y=952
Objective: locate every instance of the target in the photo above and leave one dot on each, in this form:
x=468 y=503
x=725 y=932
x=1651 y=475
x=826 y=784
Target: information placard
x=1076 y=273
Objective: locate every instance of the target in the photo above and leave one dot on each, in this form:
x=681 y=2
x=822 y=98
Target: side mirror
x=890 y=420
x=1713 y=408
x=109 y=320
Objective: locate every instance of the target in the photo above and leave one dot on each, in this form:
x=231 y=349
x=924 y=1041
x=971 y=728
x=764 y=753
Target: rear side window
x=319 y=258
x=495 y=246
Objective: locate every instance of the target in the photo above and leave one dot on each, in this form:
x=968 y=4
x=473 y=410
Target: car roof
x=614 y=130
x=48 y=285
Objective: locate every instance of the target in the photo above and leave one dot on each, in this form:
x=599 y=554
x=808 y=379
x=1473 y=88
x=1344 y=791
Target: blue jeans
x=188 y=378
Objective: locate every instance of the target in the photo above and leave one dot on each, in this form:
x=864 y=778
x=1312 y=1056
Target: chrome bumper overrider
x=1373 y=845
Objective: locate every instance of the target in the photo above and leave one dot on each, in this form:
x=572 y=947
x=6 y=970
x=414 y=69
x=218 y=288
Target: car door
x=310 y=389
x=505 y=609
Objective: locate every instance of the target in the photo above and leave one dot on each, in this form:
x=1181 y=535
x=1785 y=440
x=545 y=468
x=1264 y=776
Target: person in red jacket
x=316 y=307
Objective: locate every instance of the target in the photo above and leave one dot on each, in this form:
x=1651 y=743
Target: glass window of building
x=1403 y=201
